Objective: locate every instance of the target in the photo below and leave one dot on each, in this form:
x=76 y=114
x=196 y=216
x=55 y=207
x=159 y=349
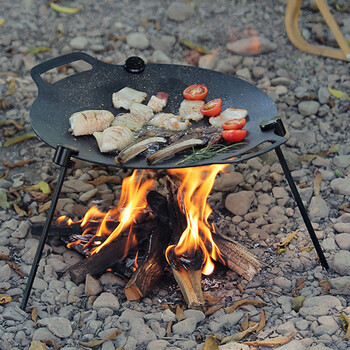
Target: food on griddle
x=212 y=108
x=228 y=114
x=138 y=109
x=126 y=96
x=173 y=149
x=191 y=109
x=195 y=92
x=136 y=148
x=89 y=121
x=132 y=122
x=169 y=121
x=114 y=138
x=234 y=124
x=234 y=136
x=158 y=102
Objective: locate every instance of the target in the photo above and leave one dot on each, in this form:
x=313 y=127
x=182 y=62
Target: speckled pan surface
x=93 y=89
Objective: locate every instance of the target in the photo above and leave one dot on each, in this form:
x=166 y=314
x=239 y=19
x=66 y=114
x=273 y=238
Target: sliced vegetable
x=196 y=92
x=212 y=108
x=233 y=136
x=234 y=124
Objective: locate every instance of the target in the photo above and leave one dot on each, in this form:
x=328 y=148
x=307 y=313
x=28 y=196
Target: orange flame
x=194 y=190
x=131 y=203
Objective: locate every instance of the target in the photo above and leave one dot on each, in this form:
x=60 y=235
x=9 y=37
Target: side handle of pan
x=59 y=61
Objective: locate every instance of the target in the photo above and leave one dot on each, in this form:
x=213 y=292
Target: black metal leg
x=301 y=207
x=62 y=158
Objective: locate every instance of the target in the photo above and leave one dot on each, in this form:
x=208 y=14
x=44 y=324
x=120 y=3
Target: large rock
x=341 y=186
x=341 y=262
x=240 y=202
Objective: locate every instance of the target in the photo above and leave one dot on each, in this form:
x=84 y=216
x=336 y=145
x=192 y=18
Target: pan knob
x=134 y=64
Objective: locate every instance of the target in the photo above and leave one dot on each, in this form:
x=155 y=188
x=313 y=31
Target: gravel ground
x=266 y=213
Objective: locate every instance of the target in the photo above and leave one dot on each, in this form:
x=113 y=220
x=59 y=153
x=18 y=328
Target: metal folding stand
x=62 y=157
x=277 y=125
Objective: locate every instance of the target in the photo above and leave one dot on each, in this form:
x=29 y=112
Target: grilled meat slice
x=126 y=96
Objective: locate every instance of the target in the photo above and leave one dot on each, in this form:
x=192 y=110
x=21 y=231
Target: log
x=151 y=269
x=237 y=258
x=113 y=253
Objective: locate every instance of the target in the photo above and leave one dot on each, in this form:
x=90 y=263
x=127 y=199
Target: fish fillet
x=126 y=96
x=89 y=121
x=169 y=121
x=228 y=114
x=138 y=109
x=114 y=138
x=191 y=109
x=157 y=104
x=132 y=122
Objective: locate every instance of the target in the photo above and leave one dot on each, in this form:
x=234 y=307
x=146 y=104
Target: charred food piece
x=126 y=96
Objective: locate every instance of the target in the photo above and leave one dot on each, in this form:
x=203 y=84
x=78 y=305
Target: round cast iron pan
x=93 y=89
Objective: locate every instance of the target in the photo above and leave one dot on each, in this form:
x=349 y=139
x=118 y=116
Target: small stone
x=302 y=325
x=240 y=202
x=157 y=344
x=140 y=331
x=293 y=345
x=168 y=315
x=279 y=192
x=283 y=282
x=307 y=108
x=111 y=279
x=327 y=326
x=186 y=326
x=300 y=91
x=5 y=273
x=319 y=305
x=252 y=46
x=75 y=185
x=159 y=56
x=60 y=327
x=323 y=95
x=306 y=136
x=106 y=300
x=243 y=73
x=341 y=186
x=341 y=262
x=227 y=182
x=197 y=314
x=179 y=11
x=137 y=40
x=339 y=282
x=329 y=244
x=280 y=81
x=342 y=227
x=286 y=328
x=234 y=346
x=37 y=345
x=318 y=208
x=342 y=161
x=92 y=286
x=22 y=230
x=79 y=43
x=85 y=197
x=164 y=43
x=343 y=241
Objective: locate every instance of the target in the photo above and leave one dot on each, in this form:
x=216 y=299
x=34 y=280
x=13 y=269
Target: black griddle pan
x=93 y=89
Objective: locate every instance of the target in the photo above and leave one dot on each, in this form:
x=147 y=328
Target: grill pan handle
x=59 y=61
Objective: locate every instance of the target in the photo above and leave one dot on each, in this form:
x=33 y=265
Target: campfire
x=147 y=231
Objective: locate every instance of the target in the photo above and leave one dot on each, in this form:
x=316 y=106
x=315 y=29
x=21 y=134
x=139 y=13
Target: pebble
x=227 y=182
x=141 y=332
x=343 y=241
x=307 y=108
x=318 y=208
x=240 y=202
x=79 y=43
x=341 y=262
x=248 y=46
x=137 y=40
x=341 y=186
x=342 y=161
x=59 y=326
x=319 y=305
x=107 y=300
x=186 y=326
x=323 y=95
x=179 y=11
x=92 y=286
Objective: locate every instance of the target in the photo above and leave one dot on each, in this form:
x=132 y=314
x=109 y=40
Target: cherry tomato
x=233 y=136
x=234 y=124
x=196 y=92
x=212 y=108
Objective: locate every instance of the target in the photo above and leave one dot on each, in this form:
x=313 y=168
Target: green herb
x=209 y=152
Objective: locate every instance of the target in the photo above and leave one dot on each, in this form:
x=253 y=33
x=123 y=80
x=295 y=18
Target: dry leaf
x=324 y=153
x=11 y=122
x=211 y=310
x=239 y=336
x=38 y=49
x=179 y=314
x=17 y=164
x=44 y=207
x=336 y=93
x=245 y=323
x=34 y=314
x=4 y=299
x=51 y=342
x=211 y=343
x=345 y=207
x=345 y=319
x=308 y=248
x=12 y=88
x=64 y=9
x=211 y=299
x=105 y=178
x=270 y=343
x=297 y=302
x=240 y=288
x=195 y=47
x=19 y=138
x=19 y=210
x=326 y=286
x=145 y=23
x=5 y=174
x=94 y=343
x=16 y=268
x=4 y=257
x=2 y=21
x=113 y=335
x=300 y=284
x=242 y=302
x=4 y=203
x=168 y=328
x=262 y=321
x=317 y=183
x=282 y=247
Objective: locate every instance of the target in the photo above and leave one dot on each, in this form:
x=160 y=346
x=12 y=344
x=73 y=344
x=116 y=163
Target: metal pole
x=62 y=158
x=301 y=207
